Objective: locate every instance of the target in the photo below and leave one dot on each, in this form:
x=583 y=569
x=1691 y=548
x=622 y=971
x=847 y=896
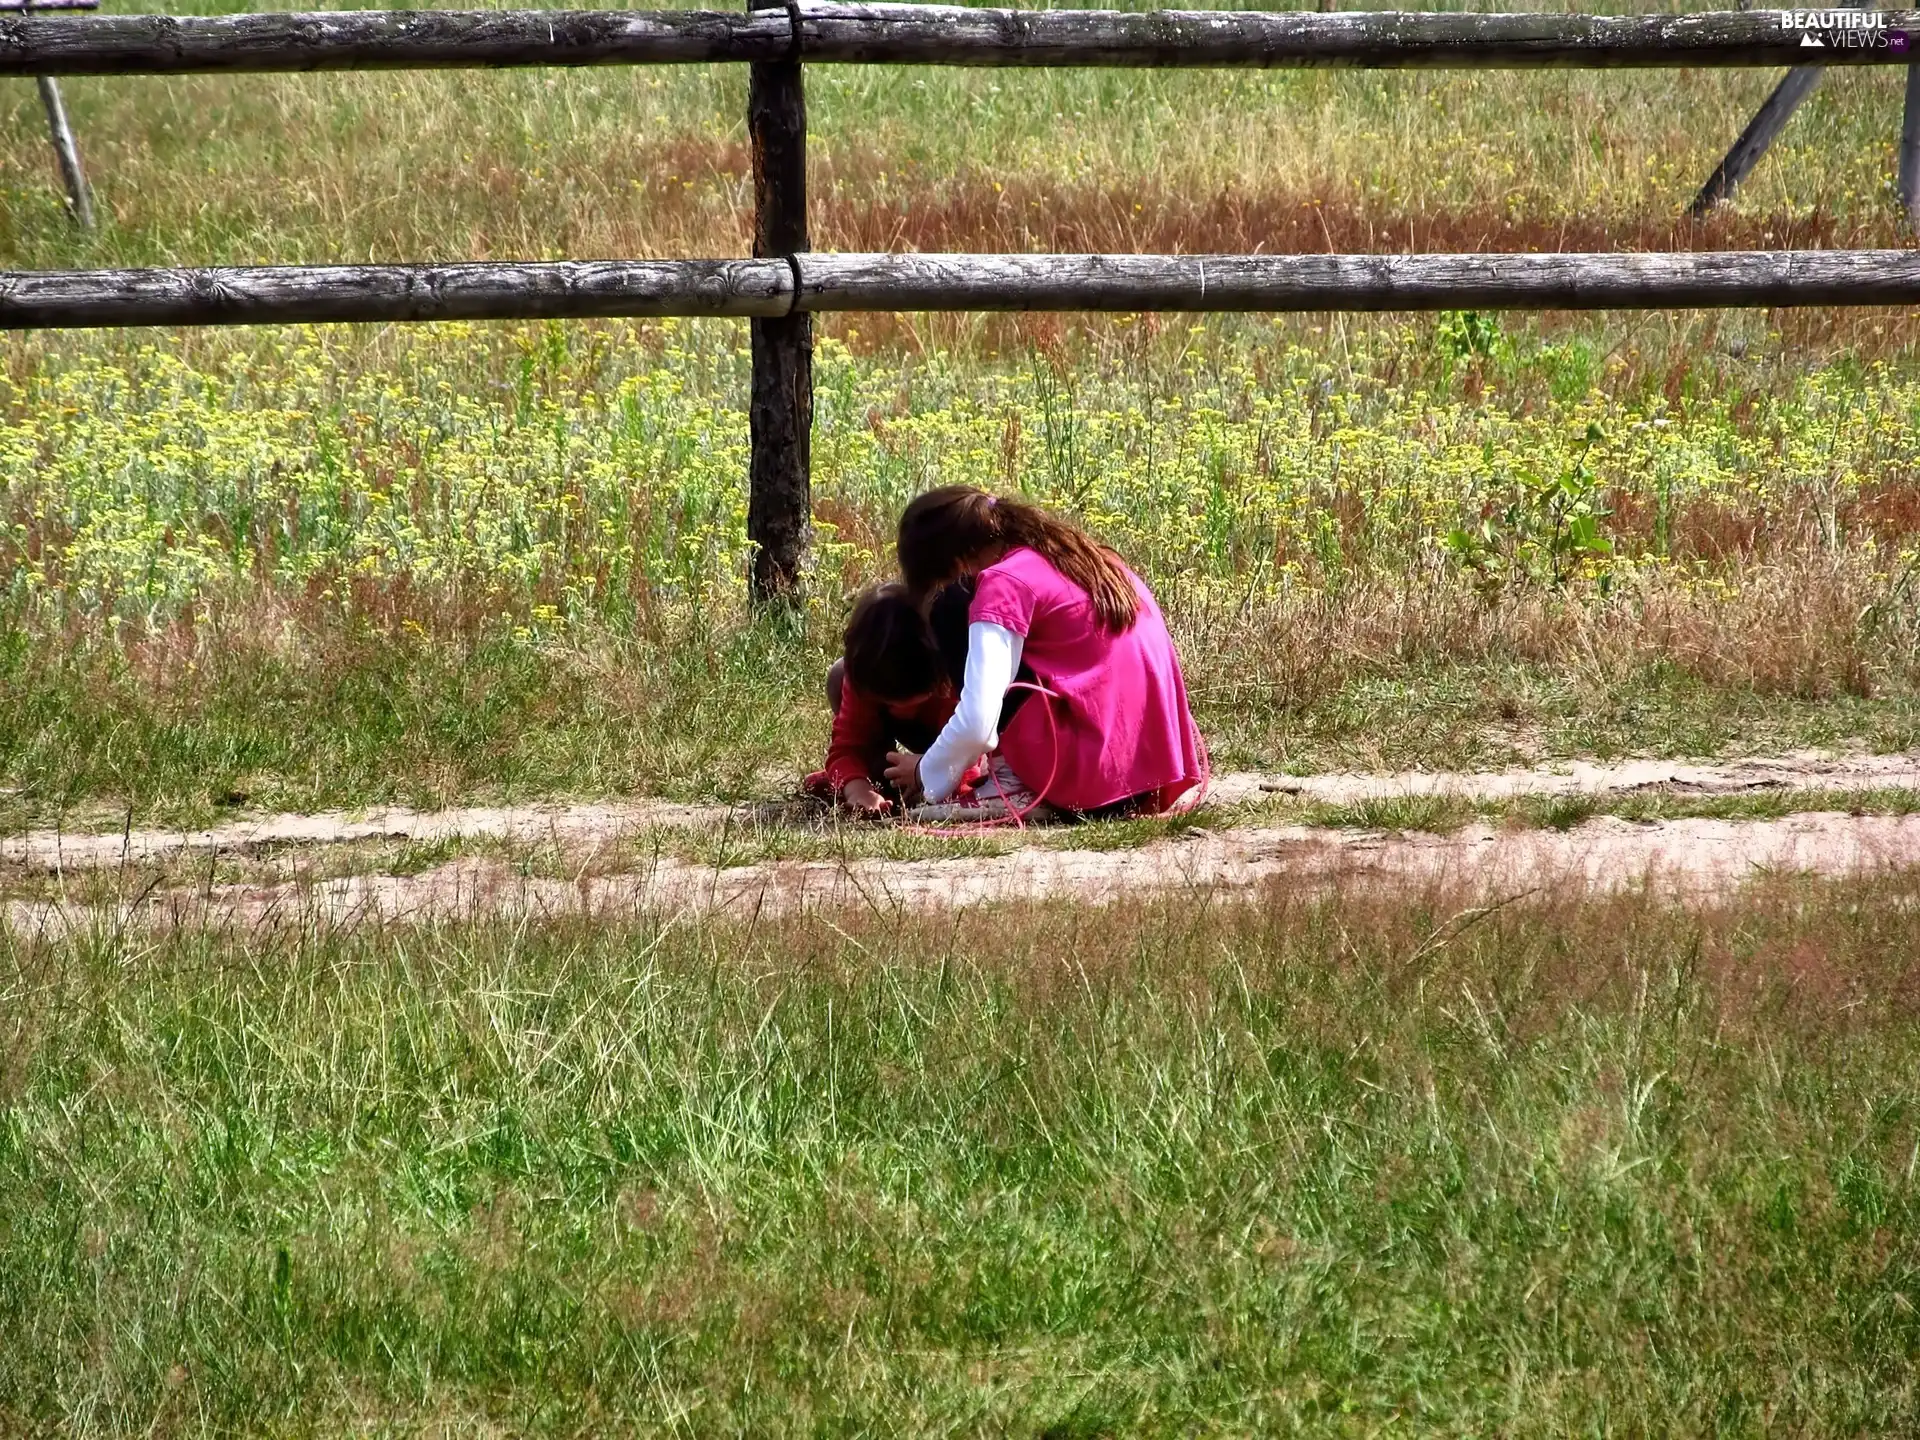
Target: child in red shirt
x=895 y=686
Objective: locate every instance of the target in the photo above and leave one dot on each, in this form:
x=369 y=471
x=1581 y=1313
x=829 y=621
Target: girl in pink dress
x=1110 y=730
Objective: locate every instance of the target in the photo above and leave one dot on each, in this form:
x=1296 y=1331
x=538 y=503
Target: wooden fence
x=787 y=282
x=827 y=33
x=808 y=283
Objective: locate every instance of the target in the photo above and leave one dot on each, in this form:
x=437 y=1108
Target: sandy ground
x=586 y=826
x=1692 y=858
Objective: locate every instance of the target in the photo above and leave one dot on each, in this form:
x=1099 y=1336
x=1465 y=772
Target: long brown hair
x=945 y=529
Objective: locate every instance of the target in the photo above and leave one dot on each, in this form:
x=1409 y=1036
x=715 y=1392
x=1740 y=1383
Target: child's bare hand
x=903 y=772
x=863 y=799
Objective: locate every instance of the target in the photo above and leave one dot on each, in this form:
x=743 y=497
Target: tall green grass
x=1351 y=1166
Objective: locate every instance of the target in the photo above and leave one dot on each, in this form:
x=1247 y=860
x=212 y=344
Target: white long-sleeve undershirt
x=993 y=659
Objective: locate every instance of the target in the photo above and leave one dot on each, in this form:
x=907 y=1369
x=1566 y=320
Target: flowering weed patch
x=556 y=475
x=310 y=568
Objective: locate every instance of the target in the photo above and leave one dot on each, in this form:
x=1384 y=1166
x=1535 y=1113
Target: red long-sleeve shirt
x=866 y=728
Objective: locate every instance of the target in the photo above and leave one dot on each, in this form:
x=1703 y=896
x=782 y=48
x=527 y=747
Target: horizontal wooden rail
x=258 y=295
x=385 y=40
x=915 y=35
x=962 y=35
x=1359 y=282
x=297 y=294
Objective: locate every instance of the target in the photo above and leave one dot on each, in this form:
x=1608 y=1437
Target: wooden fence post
x=1908 y=180
x=780 y=412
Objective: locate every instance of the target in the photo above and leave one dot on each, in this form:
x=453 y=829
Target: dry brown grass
x=653 y=163
x=1809 y=625
x=617 y=162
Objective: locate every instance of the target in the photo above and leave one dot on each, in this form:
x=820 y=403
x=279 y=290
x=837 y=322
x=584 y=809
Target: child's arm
x=993 y=657
x=859 y=740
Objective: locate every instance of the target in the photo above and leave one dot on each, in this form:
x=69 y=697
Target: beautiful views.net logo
x=1843 y=30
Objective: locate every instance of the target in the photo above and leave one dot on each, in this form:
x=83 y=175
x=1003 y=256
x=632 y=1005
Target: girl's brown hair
x=889 y=646
x=944 y=529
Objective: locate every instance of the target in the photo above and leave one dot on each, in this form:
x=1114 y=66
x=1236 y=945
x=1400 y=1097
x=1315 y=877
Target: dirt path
x=1690 y=857
x=585 y=826
x=1694 y=858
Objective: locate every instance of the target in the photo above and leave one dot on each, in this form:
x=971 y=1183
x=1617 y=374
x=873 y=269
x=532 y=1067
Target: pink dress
x=1121 y=726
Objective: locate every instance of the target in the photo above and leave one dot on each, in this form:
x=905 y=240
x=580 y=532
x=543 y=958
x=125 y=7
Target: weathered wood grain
x=383 y=39
x=261 y=295
x=1358 y=282
x=903 y=34
x=1765 y=127
x=275 y=295
x=780 y=406
x=958 y=35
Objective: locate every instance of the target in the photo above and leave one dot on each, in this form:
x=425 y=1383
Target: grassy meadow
x=1350 y=1167
x=337 y=566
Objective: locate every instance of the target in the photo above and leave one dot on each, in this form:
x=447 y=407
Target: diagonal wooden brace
x=1761 y=131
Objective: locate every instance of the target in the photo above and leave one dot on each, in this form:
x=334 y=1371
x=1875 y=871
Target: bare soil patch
x=582 y=828
x=1693 y=858
x=1688 y=858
